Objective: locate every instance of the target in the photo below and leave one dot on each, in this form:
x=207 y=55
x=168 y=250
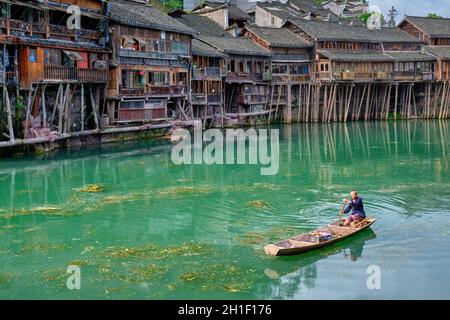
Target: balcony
x=286 y=78
x=9 y=78
x=404 y=75
x=132 y=91
x=214 y=98
x=323 y=75
x=240 y=76
x=23 y=28
x=18 y=27
x=141 y=114
x=250 y=99
x=75 y=74
x=198 y=98
x=207 y=73
x=151 y=90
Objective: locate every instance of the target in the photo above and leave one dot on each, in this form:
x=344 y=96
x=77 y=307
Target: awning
x=73 y=55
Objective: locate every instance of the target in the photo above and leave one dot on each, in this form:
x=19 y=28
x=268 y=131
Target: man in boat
x=356 y=206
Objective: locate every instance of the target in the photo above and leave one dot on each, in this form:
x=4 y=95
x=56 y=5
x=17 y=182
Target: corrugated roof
x=355 y=56
x=200 y=48
x=146 y=16
x=276 y=37
x=434 y=27
x=332 y=31
x=410 y=56
x=442 y=52
x=238 y=46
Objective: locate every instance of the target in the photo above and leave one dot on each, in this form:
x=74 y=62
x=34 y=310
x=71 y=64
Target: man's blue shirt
x=357 y=207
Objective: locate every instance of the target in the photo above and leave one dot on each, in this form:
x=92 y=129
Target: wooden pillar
x=44 y=107
x=288 y=109
x=9 y=113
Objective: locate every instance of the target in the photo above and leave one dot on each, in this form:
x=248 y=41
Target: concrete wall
x=218 y=16
x=264 y=18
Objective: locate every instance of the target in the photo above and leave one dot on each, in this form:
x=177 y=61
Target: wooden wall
x=28 y=71
x=87 y=4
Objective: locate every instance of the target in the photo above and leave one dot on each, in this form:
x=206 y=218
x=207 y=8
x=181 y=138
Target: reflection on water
x=156 y=230
x=302 y=270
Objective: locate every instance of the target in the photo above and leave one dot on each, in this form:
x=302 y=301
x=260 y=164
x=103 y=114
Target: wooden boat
x=308 y=241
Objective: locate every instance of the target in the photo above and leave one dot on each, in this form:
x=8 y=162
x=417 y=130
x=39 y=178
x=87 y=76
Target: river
x=149 y=229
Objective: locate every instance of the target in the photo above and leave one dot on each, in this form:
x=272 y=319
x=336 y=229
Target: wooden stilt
x=8 y=114
x=44 y=107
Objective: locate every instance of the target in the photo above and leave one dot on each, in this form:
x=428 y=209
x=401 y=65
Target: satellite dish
x=283 y=1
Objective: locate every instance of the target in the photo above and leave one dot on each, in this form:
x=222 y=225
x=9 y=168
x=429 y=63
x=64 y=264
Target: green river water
x=160 y=231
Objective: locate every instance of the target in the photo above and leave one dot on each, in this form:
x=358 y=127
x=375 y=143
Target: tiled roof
x=442 y=52
x=355 y=56
x=202 y=25
x=62 y=43
x=278 y=37
x=200 y=48
x=146 y=16
x=410 y=56
x=296 y=9
x=238 y=46
x=434 y=27
x=332 y=31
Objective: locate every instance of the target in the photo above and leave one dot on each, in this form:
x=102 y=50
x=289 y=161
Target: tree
x=366 y=15
x=434 y=16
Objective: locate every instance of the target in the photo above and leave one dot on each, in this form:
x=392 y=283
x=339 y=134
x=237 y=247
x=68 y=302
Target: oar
x=342 y=211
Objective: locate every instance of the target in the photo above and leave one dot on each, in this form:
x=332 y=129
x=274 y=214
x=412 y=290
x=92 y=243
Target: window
x=52 y=57
x=33 y=56
x=179 y=47
x=279 y=69
x=48 y=57
x=93 y=59
x=158 y=78
x=56 y=57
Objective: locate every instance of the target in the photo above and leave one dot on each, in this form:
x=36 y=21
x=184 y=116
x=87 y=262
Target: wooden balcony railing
x=323 y=75
x=54 y=31
x=207 y=73
x=404 y=75
x=76 y=74
x=178 y=90
x=141 y=114
x=199 y=98
x=284 y=78
x=250 y=99
x=202 y=98
x=161 y=90
x=18 y=25
x=158 y=90
x=214 y=98
x=239 y=76
x=132 y=91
